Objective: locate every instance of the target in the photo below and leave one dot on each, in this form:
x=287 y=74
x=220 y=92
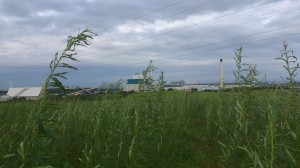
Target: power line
x=188 y=26
x=121 y=12
x=185 y=27
x=200 y=46
x=155 y=11
x=106 y=18
x=194 y=7
x=160 y=9
x=193 y=36
x=207 y=51
x=131 y=9
x=169 y=15
x=211 y=50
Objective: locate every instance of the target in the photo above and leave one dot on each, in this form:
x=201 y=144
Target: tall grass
x=168 y=129
x=262 y=129
x=145 y=130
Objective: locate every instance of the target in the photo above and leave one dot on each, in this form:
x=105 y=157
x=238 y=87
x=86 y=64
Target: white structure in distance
x=30 y=93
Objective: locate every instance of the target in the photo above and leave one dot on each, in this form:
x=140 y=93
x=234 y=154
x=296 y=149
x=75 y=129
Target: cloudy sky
x=184 y=38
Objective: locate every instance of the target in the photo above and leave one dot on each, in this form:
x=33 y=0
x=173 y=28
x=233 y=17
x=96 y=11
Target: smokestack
x=162 y=77
x=221 y=74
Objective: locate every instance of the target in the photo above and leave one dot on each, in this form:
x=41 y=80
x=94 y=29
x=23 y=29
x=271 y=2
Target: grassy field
x=165 y=129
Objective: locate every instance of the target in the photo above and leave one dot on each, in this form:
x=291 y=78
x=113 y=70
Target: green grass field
x=165 y=129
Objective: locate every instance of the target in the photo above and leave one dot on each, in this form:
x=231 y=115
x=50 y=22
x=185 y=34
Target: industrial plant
x=136 y=83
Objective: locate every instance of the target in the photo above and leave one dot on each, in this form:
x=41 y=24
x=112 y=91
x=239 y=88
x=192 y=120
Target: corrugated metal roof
x=134 y=81
x=24 y=92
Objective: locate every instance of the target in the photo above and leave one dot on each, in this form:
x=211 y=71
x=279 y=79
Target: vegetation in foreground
x=167 y=129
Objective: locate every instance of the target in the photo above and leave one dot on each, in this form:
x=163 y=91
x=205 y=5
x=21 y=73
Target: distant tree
x=112 y=86
x=179 y=82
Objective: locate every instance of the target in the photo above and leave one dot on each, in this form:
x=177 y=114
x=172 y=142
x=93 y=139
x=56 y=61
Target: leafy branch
x=250 y=71
x=147 y=77
x=251 y=77
x=46 y=107
x=238 y=62
x=291 y=65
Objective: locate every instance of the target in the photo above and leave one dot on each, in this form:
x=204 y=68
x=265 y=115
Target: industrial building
x=173 y=87
x=200 y=87
x=191 y=87
x=29 y=93
x=136 y=83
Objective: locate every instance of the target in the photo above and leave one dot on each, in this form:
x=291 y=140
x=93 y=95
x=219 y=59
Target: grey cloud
x=121 y=54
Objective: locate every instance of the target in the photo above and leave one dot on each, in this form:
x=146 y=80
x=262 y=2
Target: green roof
x=134 y=81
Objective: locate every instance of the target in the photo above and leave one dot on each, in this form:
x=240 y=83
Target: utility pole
x=162 y=78
x=144 y=80
x=221 y=74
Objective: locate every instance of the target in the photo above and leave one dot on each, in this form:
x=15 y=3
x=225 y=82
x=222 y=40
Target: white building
x=3 y=98
x=190 y=87
x=173 y=87
x=200 y=87
x=30 y=93
x=137 y=83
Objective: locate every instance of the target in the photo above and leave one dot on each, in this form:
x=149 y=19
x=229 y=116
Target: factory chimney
x=162 y=77
x=221 y=74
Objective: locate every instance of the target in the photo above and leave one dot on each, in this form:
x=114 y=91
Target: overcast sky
x=184 y=38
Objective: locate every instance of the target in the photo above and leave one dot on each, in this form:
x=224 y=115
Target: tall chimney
x=221 y=74
x=162 y=78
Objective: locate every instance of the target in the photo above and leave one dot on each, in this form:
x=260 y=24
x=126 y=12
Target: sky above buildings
x=184 y=38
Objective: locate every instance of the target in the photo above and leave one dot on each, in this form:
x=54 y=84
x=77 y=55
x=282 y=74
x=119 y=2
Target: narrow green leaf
x=57 y=83
x=258 y=160
x=246 y=150
x=290 y=156
x=60 y=75
x=8 y=156
x=51 y=64
x=64 y=65
x=73 y=59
